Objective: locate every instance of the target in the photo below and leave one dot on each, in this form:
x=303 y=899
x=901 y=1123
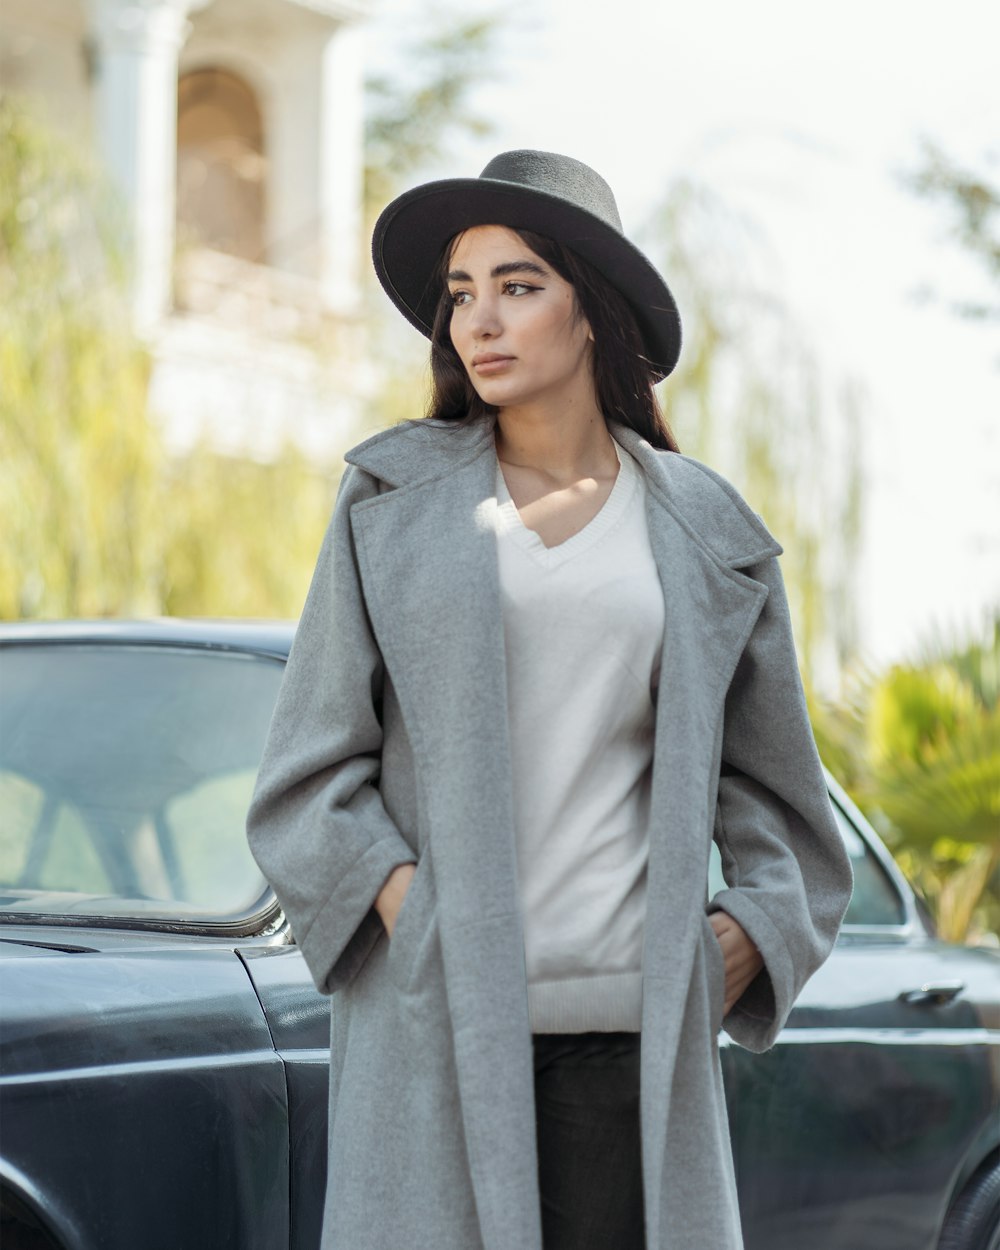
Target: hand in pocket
x=742 y=958
x=390 y=898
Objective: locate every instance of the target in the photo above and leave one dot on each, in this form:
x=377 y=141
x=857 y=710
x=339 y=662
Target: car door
x=853 y=1130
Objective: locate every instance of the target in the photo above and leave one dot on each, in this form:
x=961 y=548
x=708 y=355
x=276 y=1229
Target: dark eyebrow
x=501 y=271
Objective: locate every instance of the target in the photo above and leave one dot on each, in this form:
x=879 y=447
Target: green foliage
x=918 y=747
x=99 y=520
x=948 y=780
x=243 y=537
x=77 y=456
x=934 y=740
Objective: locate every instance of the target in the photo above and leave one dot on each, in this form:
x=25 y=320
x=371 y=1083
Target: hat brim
x=411 y=233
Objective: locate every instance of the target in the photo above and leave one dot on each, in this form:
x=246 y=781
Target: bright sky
x=803 y=116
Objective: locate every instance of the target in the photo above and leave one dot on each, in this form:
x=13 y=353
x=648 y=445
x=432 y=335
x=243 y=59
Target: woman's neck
x=565 y=445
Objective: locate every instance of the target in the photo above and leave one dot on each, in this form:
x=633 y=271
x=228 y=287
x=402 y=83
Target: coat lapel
x=429 y=568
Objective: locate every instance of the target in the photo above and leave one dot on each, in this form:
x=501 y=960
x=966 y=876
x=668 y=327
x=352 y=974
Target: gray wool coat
x=389 y=743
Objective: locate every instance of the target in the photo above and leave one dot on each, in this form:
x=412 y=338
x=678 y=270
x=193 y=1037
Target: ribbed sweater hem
x=611 y=1003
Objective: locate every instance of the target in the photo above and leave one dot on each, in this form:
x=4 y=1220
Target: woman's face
x=515 y=322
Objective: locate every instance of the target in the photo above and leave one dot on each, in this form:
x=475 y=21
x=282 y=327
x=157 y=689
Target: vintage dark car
x=163 y=1057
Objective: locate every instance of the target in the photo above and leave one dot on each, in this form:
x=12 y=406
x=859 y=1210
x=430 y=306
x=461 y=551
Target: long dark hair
x=622 y=378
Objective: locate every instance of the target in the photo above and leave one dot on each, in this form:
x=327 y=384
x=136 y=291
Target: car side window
x=125 y=776
x=875 y=900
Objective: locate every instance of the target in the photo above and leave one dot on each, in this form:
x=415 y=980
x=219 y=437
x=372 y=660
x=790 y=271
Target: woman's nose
x=486 y=319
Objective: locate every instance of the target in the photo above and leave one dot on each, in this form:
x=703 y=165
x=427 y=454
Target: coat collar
x=709 y=509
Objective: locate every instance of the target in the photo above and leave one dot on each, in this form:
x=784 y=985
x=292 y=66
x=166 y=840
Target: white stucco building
x=234 y=130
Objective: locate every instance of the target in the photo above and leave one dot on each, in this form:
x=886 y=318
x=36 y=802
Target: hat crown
x=562 y=176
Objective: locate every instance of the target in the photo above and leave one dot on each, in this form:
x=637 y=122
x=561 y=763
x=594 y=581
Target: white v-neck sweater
x=583 y=628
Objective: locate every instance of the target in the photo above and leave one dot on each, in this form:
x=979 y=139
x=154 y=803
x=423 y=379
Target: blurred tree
x=78 y=459
x=243 y=536
x=933 y=735
x=917 y=746
x=414 y=113
x=98 y=519
x=749 y=398
x=972 y=200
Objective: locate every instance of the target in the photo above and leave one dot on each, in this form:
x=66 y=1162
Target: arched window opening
x=221 y=168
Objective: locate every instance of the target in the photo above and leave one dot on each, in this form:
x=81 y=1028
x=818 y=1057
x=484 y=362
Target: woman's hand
x=743 y=960
x=390 y=897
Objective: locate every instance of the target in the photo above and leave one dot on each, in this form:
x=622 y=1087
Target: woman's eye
x=519 y=288
x=459 y=297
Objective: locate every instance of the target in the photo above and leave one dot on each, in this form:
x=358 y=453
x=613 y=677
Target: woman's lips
x=490 y=362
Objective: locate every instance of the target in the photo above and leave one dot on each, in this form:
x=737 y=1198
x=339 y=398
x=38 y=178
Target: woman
x=544 y=660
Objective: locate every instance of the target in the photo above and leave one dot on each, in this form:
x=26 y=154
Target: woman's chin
x=495 y=394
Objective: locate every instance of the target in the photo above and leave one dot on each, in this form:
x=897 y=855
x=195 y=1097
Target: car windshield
x=125 y=775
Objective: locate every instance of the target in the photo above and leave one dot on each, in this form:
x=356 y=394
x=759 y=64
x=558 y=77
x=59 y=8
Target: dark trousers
x=589 y=1159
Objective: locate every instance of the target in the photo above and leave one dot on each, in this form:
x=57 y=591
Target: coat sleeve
x=783 y=858
x=316 y=824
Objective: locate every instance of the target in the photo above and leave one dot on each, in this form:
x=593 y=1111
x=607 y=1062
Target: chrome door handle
x=933 y=992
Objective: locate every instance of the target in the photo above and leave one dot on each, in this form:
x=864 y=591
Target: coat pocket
x=412 y=925
x=715 y=964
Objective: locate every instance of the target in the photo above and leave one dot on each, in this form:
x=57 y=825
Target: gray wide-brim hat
x=539 y=191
